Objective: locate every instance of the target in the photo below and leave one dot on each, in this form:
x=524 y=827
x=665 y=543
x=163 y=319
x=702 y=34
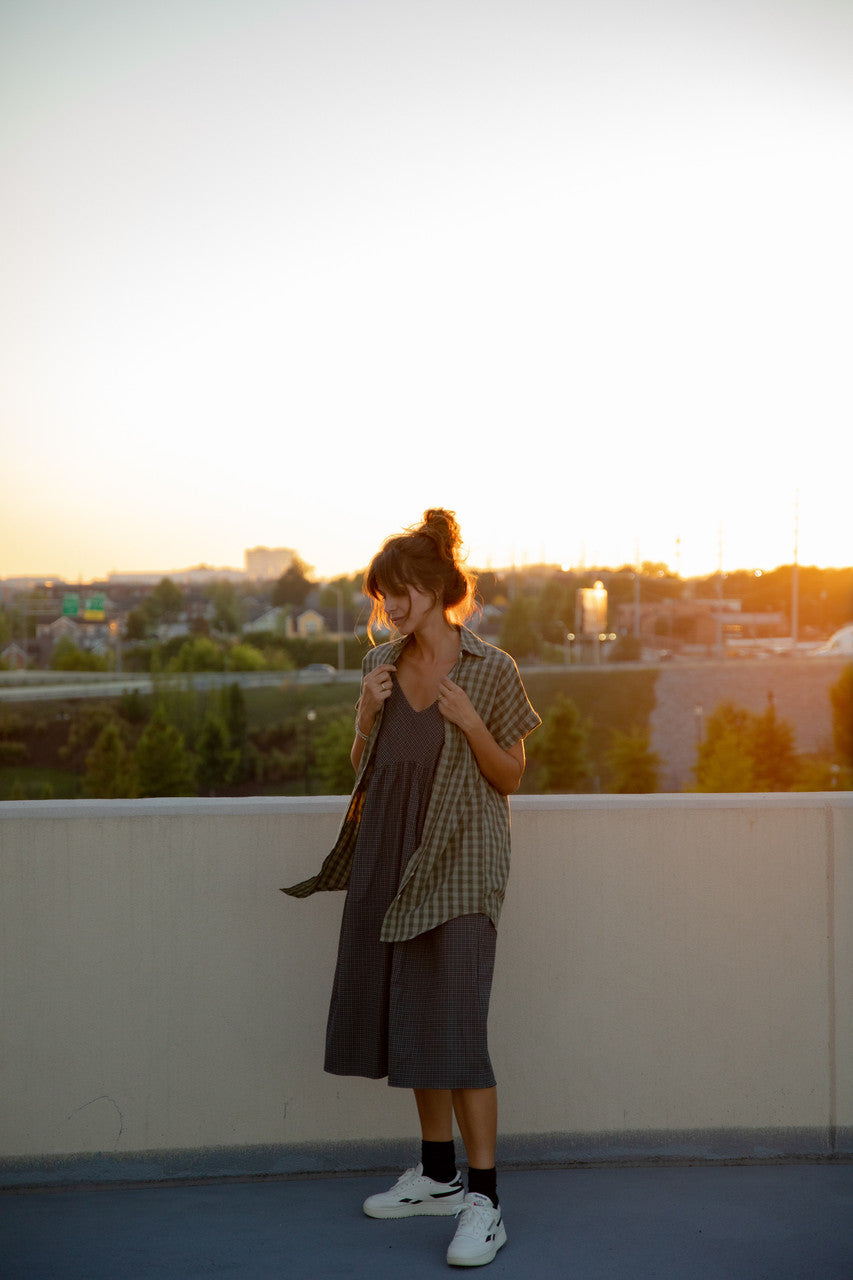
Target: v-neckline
x=434 y=702
x=414 y=710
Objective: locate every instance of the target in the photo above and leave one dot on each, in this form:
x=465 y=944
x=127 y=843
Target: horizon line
x=623 y=568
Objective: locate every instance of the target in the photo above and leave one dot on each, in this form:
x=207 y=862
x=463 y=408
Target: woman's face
x=409 y=611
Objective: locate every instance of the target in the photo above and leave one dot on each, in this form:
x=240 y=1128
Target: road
x=41 y=686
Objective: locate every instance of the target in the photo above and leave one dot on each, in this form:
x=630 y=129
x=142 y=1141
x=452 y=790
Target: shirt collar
x=469 y=642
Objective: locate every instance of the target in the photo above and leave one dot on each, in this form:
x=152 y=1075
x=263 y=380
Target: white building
x=199 y=576
x=263 y=563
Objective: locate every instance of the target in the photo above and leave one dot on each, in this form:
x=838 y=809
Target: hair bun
x=443 y=526
x=427 y=556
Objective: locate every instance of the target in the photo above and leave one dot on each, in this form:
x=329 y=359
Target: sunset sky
x=286 y=273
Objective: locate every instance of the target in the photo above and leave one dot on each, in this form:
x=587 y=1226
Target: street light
x=115 y=632
x=310 y=717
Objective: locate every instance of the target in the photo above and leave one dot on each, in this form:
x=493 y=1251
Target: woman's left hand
x=501 y=767
x=455 y=705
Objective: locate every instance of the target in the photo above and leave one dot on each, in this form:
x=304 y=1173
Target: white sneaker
x=413 y=1195
x=479 y=1235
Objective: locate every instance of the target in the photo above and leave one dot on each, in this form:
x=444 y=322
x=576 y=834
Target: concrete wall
x=675 y=977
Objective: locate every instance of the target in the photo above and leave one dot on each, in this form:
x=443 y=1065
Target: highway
x=44 y=686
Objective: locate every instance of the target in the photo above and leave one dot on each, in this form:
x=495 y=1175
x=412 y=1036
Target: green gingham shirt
x=462 y=863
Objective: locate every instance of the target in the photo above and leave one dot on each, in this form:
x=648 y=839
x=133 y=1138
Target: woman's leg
x=416 y=1192
x=435 y=1111
x=481 y=1231
x=477 y=1116
x=438 y=1150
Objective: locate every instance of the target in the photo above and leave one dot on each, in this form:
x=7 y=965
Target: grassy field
x=28 y=782
x=608 y=698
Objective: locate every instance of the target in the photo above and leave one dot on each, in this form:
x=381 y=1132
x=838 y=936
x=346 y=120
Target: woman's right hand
x=375 y=689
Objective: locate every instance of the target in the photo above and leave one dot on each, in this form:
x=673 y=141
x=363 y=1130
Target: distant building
x=15 y=657
x=60 y=628
x=274 y=620
x=310 y=624
x=680 y=624
x=263 y=563
x=198 y=576
x=91 y=637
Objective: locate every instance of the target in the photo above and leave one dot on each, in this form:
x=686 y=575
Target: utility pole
x=340 y=595
x=637 y=568
x=795 y=576
x=719 y=627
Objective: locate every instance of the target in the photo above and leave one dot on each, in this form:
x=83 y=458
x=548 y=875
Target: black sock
x=484 y=1182
x=439 y=1160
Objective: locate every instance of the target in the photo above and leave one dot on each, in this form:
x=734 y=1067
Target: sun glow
x=290 y=275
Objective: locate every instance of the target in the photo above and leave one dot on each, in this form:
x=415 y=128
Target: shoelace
x=476 y=1217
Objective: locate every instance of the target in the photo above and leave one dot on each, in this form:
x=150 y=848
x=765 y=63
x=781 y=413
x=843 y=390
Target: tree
x=136 y=626
x=552 y=613
x=518 y=635
x=198 y=654
x=746 y=752
x=87 y=723
x=293 y=585
x=346 y=586
x=841 y=699
x=771 y=747
x=226 y=606
x=233 y=703
x=217 y=762
x=67 y=656
x=633 y=765
x=332 y=757
x=233 y=712
x=561 y=748
x=723 y=759
x=163 y=764
x=131 y=707
x=109 y=766
x=245 y=657
x=165 y=602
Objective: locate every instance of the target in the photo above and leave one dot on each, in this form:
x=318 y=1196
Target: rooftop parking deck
x=777 y=1222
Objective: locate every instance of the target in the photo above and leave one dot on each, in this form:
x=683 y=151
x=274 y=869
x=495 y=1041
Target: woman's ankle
x=439 y=1160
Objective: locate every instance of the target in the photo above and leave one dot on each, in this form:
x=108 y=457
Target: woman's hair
x=427 y=556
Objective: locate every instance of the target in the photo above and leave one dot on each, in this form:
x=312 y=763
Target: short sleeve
x=512 y=717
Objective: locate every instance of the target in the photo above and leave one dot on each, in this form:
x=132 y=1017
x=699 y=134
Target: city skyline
x=335 y=564
x=288 y=274
x=204 y=570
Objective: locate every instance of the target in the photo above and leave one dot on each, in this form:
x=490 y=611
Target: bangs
x=388 y=574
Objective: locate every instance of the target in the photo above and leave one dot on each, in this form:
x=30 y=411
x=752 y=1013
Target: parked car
x=318 y=673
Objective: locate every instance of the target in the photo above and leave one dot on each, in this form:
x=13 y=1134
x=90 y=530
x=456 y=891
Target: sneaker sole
x=480 y=1259
x=425 y=1209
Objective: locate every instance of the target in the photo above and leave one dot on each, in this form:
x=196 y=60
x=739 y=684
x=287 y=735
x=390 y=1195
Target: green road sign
x=94 y=609
x=70 y=606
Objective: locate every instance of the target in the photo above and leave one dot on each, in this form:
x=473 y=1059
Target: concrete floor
x=747 y=1222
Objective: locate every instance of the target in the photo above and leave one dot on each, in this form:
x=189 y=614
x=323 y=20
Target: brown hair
x=427 y=556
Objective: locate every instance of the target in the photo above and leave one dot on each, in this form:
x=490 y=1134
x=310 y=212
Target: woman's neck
x=436 y=642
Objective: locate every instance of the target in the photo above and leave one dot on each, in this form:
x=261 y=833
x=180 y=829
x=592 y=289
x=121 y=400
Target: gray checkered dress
x=413 y=1011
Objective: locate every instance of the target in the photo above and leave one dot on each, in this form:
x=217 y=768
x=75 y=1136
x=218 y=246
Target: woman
x=424 y=855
